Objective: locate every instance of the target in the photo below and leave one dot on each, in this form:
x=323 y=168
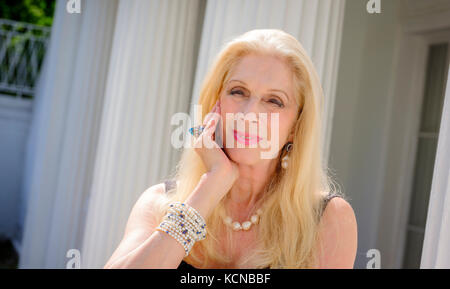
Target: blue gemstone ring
x=196 y=130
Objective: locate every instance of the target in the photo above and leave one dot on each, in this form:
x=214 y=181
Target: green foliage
x=23 y=47
x=38 y=12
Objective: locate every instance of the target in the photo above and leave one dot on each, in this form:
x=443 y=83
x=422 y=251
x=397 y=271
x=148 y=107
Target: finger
x=208 y=139
x=207 y=134
x=205 y=129
x=214 y=121
x=210 y=126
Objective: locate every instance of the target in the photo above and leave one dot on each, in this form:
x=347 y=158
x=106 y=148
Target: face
x=258 y=92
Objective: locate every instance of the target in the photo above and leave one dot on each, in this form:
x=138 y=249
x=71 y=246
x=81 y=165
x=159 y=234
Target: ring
x=196 y=130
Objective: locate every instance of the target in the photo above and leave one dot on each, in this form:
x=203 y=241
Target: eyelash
x=278 y=103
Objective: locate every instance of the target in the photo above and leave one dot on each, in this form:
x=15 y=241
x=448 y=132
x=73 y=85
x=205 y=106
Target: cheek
x=227 y=104
x=289 y=125
x=280 y=129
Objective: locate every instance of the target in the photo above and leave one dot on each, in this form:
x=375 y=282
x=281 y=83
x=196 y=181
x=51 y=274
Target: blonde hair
x=288 y=228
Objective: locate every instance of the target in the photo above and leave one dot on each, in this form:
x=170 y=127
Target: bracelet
x=172 y=230
x=189 y=211
x=189 y=219
x=184 y=224
x=180 y=211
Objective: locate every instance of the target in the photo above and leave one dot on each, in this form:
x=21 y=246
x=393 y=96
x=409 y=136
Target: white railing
x=22 y=50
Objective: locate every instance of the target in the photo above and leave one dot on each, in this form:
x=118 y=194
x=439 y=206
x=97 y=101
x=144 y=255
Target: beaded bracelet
x=181 y=211
x=173 y=231
x=188 y=219
x=184 y=224
x=189 y=210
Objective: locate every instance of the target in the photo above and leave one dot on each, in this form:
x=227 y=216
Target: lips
x=246 y=138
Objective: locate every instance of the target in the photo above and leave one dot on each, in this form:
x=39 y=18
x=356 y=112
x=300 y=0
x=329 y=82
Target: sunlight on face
x=257 y=89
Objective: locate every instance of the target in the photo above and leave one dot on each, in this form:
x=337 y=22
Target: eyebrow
x=269 y=89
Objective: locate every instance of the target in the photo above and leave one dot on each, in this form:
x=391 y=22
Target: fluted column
x=82 y=129
x=154 y=56
x=64 y=135
x=316 y=24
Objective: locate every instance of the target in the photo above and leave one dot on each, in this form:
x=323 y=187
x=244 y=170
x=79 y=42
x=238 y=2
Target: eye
x=236 y=91
x=276 y=102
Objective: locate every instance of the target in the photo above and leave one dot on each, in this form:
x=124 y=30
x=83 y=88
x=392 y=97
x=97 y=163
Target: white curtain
x=64 y=132
x=150 y=79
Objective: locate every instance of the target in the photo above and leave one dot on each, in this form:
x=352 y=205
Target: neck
x=249 y=188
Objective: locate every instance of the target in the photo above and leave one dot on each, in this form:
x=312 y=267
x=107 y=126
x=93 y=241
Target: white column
x=64 y=135
x=154 y=56
x=316 y=24
x=436 y=246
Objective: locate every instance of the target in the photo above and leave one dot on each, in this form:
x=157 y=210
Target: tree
x=39 y=12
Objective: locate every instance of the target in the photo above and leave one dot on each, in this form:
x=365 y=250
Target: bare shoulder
x=338 y=207
x=150 y=197
x=152 y=193
x=338 y=235
x=141 y=222
x=143 y=214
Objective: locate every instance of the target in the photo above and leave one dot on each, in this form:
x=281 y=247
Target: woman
x=259 y=212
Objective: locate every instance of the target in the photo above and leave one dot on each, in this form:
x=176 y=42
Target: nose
x=250 y=110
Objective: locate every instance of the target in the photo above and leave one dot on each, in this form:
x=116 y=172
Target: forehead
x=262 y=70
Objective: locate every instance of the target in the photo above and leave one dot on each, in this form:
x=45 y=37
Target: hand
x=212 y=155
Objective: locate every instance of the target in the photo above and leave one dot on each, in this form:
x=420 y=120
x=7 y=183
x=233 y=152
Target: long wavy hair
x=287 y=233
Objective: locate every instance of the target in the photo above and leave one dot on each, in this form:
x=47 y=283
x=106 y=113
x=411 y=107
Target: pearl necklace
x=236 y=226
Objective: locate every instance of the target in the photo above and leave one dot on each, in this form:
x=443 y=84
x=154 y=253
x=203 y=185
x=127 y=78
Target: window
x=427 y=138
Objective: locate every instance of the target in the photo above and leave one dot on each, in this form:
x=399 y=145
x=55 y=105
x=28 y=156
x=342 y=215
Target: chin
x=244 y=156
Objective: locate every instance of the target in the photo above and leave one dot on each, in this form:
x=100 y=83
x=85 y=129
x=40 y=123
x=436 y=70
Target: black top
x=170 y=184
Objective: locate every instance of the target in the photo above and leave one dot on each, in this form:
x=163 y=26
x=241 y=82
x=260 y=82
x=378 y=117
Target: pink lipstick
x=245 y=138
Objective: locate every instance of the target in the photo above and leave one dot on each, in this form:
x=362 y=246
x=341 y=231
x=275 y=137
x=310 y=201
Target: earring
x=285 y=159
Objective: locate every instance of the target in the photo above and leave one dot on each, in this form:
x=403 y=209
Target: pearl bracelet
x=189 y=211
x=182 y=212
x=184 y=224
x=175 y=232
